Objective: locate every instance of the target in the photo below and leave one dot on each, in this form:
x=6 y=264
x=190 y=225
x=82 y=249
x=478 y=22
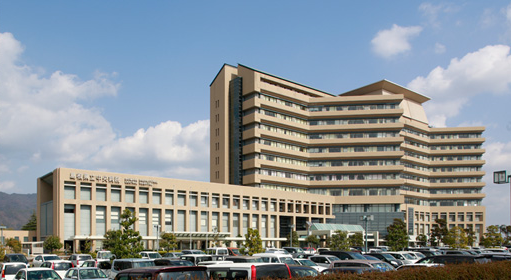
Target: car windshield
x=287 y=260
x=409 y=257
x=18 y=258
x=357 y=256
x=85 y=257
x=143 y=264
x=92 y=274
x=183 y=275
x=43 y=274
x=331 y=259
x=51 y=258
x=388 y=256
x=62 y=266
x=154 y=255
x=13 y=269
x=235 y=251
x=307 y=262
x=382 y=266
x=420 y=255
x=181 y=263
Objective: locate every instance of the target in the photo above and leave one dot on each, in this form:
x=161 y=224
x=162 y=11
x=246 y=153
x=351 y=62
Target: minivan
x=275 y=258
x=164 y=273
x=122 y=264
x=249 y=271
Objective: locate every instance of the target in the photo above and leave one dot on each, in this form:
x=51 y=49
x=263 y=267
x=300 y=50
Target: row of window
x=115 y=193
x=169 y=220
x=318 y=163
x=443 y=158
x=442 y=136
x=442 y=191
x=443 y=202
x=443 y=147
x=441 y=180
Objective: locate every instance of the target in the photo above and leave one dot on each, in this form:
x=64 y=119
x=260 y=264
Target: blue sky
x=111 y=85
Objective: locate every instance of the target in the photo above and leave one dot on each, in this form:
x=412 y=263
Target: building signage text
x=110 y=179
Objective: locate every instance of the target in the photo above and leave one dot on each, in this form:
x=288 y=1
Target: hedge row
x=494 y=270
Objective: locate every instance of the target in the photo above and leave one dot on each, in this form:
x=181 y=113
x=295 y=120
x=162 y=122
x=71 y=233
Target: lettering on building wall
x=110 y=179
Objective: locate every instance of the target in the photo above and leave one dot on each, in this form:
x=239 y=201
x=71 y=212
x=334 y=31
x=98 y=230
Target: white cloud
x=390 y=42
x=439 y=48
x=433 y=12
x=44 y=123
x=167 y=147
x=481 y=72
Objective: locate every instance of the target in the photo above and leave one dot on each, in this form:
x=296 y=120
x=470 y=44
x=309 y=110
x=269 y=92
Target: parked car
x=39 y=259
x=309 y=250
x=344 y=255
x=122 y=264
x=150 y=255
x=296 y=252
x=276 y=251
x=196 y=258
x=172 y=262
x=37 y=273
x=85 y=273
x=192 y=251
x=60 y=266
x=104 y=255
x=9 y=269
x=302 y=271
x=103 y=265
x=324 y=260
x=310 y=263
x=76 y=259
x=178 y=272
x=218 y=251
x=15 y=257
x=453 y=259
x=404 y=257
x=172 y=255
x=244 y=259
x=387 y=258
x=275 y=258
x=379 y=265
x=249 y=271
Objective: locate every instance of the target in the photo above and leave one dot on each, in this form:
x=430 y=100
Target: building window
x=169 y=197
x=85 y=219
x=115 y=218
x=69 y=190
x=115 y=193
x=130 y=195
x=156 y=196
x=143 y=195
x=85 y=191
x=204 y=200
x=168 y=220
x=225 y=222
x=100 y=220
x=100 y=192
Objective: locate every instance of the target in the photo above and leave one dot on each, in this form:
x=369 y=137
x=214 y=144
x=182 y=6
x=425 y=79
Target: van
x=178 y=272
x=275 y=258
x=250 y=271
x=119 y=265
x=217 y=251
x=196 y=258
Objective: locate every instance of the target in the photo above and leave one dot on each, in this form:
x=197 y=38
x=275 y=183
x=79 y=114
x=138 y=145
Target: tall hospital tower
x=371 y=149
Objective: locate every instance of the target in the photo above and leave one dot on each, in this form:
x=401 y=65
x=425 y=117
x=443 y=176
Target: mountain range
x=16 y=209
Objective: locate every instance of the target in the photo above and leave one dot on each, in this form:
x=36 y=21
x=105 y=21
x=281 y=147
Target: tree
x=492 y=237
x=253 y=242
x=124 y=242
x=471 y=236
x=397 y=237
x=52 y=243
x=216 y=238
x=456 y=238
x=339 y=241
x=296 y=242
x=312 y=239
x=87 y=246
x=356 y=240
x=32 y=223
x=14 y=244
x=438 y=231
x=168 y=241
x=422 y=239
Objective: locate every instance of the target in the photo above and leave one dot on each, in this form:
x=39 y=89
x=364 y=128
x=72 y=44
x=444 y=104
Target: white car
x=310 y=263
x=150 y=255
x=39 y=259
x=60 y=266
x=37 y=273
x=9 y=269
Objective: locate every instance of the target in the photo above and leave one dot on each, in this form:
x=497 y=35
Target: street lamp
x=366 y=218
x=500 y=177
x=291 y=235
x=157 y=237
x=2 y=230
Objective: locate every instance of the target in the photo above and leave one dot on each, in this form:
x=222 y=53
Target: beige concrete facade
x=371 y=149
x=82 y=204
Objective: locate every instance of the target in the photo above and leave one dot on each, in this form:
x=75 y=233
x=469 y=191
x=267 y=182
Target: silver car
x=82 y=273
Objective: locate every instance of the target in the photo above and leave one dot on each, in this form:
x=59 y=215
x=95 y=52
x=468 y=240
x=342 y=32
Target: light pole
x=157 y=237
x=500 y=177
x=291 y=235
x=2 y=230
x=366 y=218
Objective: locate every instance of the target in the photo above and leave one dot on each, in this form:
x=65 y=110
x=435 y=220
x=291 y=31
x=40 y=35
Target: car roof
x=12 y=263
x=36 y=268
x=58 y=261
x=358 y=261
x=154 y=269
x=133 y=260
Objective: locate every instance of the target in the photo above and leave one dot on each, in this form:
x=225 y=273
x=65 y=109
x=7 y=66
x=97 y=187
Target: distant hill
x=16 y=209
